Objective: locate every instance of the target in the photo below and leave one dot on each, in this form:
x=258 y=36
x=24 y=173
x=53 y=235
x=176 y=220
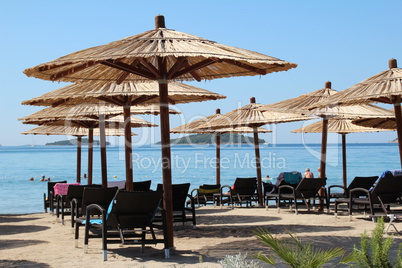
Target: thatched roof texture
x=73 y=131
x=251 y=115
x=340 y=126
x=146 y=93
x=196 y=127
x=207 y=59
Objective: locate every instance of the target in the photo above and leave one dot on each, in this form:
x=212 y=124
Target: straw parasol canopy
x=71 y=109
x=194 y=127
x=303 y=102
x=159 y=55
x=341 y=126
x=138 y=94
x=126 y=94
x=385 y=87
x=85 y=121
x=388 y=122
x=78 y=132
x=300 y=104
x=251 y=116
x=337 y=125
x=68 y=110
x=72 y=131
x=91 y=121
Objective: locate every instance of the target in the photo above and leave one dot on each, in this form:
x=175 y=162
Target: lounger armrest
x=194 y=191
x=96 y=207
x=226 y=186
x=286 y=187
x=75 y=205
x=335 y=186
x=359 y=190
x=273 y=190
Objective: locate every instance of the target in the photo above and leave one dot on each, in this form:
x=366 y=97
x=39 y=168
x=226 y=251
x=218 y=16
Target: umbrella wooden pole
x=79 y=150
x=102 y=137
x=323 y=156
x=218 y=157
x=166 y=159
x=128 y=148
x=344 y=164
x=90 y=154
x=258 y=164
x=398 y=121
x=324 y=139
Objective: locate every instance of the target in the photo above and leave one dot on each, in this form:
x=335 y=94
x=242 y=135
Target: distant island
x=229 y=138
x=72 y=142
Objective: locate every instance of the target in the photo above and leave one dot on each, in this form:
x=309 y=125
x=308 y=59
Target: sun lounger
x=357 y=182
x=307 y=190
x=100 y=196
x=49 y=200
x=386 y=192
x=127 y=220
x=205 y=194
x=285 y=178
x=181 y=210
x=244 y=190
x=142 y=185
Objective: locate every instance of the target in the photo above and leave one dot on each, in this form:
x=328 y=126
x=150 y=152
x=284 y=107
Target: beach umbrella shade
x=98 y=111
x=379 y=123
x=77 y=132
x=299 y=105
x=384 y=87
x=341 y=126
x=90 y=123
x=126 y=95
x=160 y=55
x=194 y=127
x=303 y=102
x=250 y=116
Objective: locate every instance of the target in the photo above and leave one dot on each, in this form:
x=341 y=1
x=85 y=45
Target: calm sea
x=194 y=164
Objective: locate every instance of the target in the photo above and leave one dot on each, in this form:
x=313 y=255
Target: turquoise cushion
x=93 y=221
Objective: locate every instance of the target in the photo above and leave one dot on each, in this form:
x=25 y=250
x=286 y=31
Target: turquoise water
x=194 y=164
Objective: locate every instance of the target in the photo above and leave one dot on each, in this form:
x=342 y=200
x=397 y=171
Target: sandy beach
x=38 y=240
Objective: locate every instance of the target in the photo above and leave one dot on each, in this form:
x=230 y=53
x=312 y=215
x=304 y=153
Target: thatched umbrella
x=341 y=126
x=378 y=123
x=299 y=104
x=98 y=111
x=385 y=87
x=87 y=122
x=160 y=55
x=194 y=127
x=303 y=102
x=77 y=132
x=124 y=95
x=72 y=131
x=250 y=116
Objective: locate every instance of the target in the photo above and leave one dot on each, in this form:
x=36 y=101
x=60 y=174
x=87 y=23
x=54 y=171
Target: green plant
x=237 y=261
x=295 y=253
x=374 y=252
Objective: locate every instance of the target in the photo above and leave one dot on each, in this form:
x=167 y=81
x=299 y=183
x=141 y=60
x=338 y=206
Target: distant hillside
x=210 y=139
x=73 y=142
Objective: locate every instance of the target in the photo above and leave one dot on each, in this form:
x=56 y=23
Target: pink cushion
x=62 y=188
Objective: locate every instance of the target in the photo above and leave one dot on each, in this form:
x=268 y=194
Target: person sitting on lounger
x=308 y=173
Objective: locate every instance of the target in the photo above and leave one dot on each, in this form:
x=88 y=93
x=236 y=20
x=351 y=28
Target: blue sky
x=343 y=42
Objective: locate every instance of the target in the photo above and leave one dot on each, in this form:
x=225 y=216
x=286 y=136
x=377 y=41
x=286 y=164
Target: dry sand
x=38 y=240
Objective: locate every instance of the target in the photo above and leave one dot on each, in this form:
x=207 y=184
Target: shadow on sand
x=22 y=263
